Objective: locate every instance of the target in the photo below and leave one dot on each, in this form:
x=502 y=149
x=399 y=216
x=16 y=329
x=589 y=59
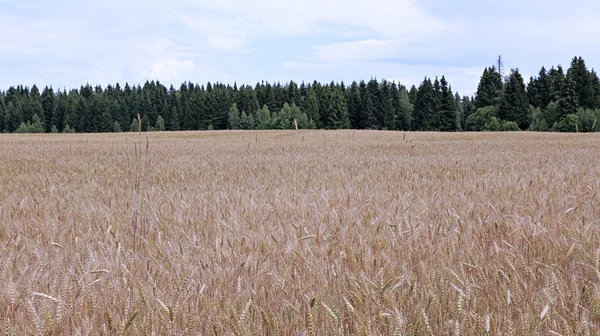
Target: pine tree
x=514 y=105
x=447 y=110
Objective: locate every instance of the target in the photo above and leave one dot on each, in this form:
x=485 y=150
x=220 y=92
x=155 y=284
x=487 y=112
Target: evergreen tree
x=334 y=111
x=489 y=89
x=312 y=105
x=234 y=118
x=405 y=109
x=425 y=107
x=48 y=103
x=557 y=77
x=13 y=116
x=459 y=111
x=367 y=119
x=135 y=126
x=583 y=83
x=447 y=108
x=354 y=104
x=387 y=106
x=567 y=104
x=377 y=100
x=160 y=124
x=116 y=127
x=514 y=105
x=33 y=105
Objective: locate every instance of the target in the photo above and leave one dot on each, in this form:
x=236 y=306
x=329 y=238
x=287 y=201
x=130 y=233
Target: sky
x=71 y=42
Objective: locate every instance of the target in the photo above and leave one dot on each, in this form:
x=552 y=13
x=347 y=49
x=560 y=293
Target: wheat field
x=300 y=233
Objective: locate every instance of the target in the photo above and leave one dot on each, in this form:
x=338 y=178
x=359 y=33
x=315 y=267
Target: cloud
x=245 y=20
x=170 y=68
x=361 y=50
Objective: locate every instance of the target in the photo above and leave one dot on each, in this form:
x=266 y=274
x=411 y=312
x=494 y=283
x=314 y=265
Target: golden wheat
x=300 y=232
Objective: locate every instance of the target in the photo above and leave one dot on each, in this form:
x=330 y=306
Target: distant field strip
x=300 y=233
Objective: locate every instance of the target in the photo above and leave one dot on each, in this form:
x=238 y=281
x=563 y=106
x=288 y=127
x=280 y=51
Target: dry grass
x=300 y=233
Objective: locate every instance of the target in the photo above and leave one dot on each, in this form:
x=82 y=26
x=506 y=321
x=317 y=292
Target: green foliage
x=538 y=121
x=480 y=119
x=368 y=104
x=68 y=129
x=514 y=105
x=264 y=120
x=35 y=127
x=446 y=116
x=567 y=104
x=135 y=126
x=588 y=120
x=234 y=118
x=405 y=110
x=569 y=123
x=53 y=129
x=510 y=126
x=493 y=125
x=489 y=90
x=117 y=127
x=160 y=124
x=246 y=121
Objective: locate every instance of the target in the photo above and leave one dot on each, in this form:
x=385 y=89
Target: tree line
x=552 y=101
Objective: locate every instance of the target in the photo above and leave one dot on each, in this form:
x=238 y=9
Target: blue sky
x=69 y=43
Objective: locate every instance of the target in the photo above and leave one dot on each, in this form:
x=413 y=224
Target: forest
x=554 y=100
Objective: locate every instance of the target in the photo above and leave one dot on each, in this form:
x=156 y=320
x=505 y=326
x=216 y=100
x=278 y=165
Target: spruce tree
x=312 y=105
x=489 y=89
x=557 y=77
x=387 y=106
x=567 y=104
x=425 y=107
x=354 y=104
x=367 y=119
x=48 y=104
x=405 y=109
x=514 y=105
x=447 y=108
x=583 y=83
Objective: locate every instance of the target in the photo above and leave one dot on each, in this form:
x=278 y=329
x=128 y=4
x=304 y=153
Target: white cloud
x=362 y=50
x=170 y=68
x=247 y=20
